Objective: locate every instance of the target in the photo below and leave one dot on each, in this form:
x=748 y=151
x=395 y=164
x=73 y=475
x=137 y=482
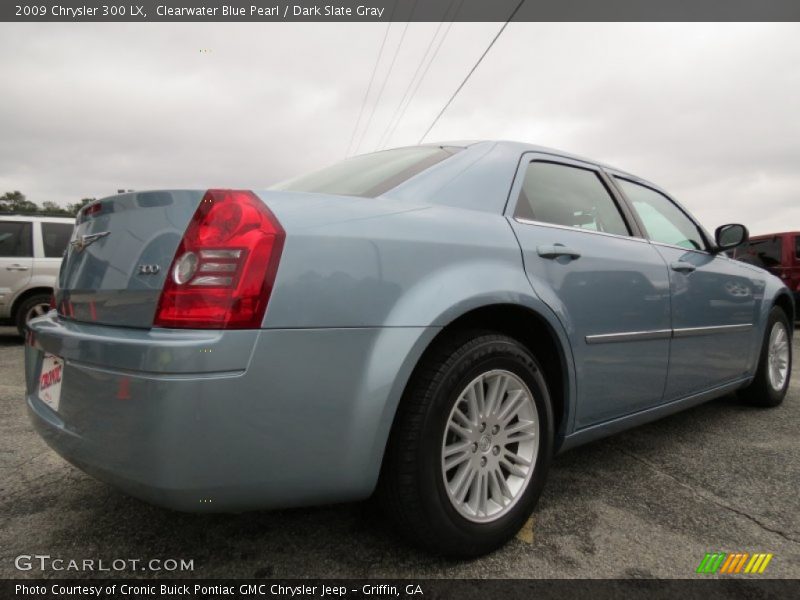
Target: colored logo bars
x=735 y=562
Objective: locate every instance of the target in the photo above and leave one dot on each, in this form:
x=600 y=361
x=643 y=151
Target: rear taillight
x=225 y=266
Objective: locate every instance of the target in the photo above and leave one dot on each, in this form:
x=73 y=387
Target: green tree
x=16 y=202
x=51 y=208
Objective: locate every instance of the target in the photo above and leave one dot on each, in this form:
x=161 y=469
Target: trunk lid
x=121 y=250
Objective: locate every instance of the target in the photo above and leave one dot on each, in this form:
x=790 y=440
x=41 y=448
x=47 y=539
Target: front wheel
x=771 y=382
x=471 y=446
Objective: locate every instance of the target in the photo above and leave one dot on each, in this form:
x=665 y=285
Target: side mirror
x=730 y=236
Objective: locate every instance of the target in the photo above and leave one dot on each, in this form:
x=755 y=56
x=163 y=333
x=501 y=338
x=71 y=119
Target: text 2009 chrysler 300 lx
x=433 y=322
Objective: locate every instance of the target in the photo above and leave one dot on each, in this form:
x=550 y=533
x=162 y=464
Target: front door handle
x=682 y=267
x=557 y=250
x=16 y=268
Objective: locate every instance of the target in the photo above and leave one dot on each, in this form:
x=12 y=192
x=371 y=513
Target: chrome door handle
x=557 y=250
x=16 y=268
x=682 y=267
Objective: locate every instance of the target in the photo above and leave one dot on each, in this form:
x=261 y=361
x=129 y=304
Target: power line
x=416 y=72
x=388 y=74
x=371 y=80
x=472 y=70
x=424 y=72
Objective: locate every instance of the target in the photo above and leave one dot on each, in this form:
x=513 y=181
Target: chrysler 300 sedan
x=430 y=324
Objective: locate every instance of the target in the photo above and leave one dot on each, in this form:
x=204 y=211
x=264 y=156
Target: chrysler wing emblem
x=86 y=240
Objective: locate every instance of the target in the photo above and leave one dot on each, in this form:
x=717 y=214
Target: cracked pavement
x=649 y=502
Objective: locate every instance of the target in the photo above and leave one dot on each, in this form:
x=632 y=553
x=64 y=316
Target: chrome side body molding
x=660 y=334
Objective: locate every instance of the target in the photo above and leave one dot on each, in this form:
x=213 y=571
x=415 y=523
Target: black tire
x=411 y=488
x=20 y=318
x=761 y=391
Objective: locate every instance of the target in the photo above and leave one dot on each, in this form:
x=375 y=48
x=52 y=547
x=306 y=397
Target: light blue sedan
x=431 y=322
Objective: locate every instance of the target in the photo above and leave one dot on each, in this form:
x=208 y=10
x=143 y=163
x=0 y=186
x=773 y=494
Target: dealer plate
x=50 y=380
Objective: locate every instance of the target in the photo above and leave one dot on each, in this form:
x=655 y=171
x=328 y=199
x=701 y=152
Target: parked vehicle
x=31 y=249
x=778 y=253
x=433 y=322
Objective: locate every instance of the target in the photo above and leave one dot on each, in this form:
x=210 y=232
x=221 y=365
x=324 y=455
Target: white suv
x=31 y=249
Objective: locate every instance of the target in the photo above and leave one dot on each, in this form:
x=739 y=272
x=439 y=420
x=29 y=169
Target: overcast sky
x=711 y=112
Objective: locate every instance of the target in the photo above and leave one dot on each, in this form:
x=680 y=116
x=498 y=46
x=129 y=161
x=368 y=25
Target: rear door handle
x=682 y=267
x=16 y=268
x=556 y=250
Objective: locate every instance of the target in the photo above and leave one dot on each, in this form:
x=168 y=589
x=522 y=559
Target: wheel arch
x=533 y=330
x=784 y=301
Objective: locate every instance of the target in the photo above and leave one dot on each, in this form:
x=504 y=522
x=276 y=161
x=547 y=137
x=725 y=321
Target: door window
x=56 y=237
x=569 y=196
x=797 y=247
x=15 y=239
x=663 y=220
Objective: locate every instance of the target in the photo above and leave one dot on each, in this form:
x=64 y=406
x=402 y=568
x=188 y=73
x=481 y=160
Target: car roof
x=528 y=147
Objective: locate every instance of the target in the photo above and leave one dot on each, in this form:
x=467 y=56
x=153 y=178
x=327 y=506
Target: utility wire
x=414 y=77
x=371 y=80
x=425 y=72
x=388 y=74
x=472 y=70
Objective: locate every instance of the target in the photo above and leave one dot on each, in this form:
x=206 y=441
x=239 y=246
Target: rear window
x=369 y=175
x=763 y=253
x=15 y=239
x=55 y=237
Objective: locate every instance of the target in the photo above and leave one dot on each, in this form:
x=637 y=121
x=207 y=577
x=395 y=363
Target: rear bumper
x=224 y=421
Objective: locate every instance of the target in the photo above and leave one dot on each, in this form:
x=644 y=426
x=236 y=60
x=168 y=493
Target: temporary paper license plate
x=50 y=380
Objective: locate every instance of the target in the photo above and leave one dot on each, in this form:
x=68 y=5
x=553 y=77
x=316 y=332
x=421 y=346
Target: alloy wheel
x=778 y=356
x=490 y=445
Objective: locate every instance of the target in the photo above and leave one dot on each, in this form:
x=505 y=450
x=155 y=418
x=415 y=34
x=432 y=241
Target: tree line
x=16 y=202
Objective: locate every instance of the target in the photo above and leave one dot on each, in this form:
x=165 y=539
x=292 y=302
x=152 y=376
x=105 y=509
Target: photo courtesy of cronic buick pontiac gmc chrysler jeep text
x=429 y=323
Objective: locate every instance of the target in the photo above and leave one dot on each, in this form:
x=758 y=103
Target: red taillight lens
x=225 y=266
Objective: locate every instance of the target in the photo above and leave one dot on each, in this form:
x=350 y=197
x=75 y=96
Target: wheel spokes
x=490 y=445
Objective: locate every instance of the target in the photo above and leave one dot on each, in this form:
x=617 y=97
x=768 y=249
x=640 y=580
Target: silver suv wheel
x=37 y=310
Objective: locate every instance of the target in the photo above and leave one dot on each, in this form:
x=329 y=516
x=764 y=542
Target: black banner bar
x=404 y=589
x=397 y=10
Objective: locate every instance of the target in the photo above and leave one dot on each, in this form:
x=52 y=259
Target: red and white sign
x=50 y=381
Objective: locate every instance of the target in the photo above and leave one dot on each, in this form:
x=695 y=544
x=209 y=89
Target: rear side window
x=569 y=196
x=664 y=221
x=55 y=237
x=369 y=175
x=763 y=253
x=15 y=239
x=797 y=246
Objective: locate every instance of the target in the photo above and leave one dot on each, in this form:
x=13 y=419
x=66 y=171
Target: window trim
x=631 y=179
x=514 y=194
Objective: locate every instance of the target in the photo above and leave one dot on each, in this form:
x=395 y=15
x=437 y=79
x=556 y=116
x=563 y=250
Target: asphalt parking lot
x=646 y=503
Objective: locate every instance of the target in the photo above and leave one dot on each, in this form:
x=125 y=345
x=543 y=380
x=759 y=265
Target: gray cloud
x=708 y=111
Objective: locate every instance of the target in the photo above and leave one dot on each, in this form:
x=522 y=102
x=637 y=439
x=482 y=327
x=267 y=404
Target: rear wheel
x=775 y=363
x=470 y=448
x=30 y=308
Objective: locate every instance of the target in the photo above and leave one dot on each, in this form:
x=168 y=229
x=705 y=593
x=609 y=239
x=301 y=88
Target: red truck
x=778 y=253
